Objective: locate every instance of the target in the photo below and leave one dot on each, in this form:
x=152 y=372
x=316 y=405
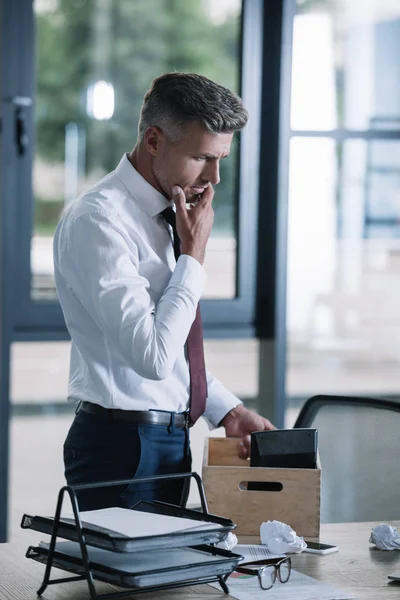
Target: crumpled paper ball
x=385 y=537
x=281 y=538
x=229 y=542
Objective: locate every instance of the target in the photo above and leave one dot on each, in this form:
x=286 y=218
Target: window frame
x=15 y=24
x=261 y=208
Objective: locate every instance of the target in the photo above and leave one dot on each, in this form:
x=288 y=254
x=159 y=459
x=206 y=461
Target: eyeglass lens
x=268 y=575
x=284 y=572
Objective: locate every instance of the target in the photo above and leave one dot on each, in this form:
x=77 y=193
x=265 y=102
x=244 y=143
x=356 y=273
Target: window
x=94 y=63
x=344 y=200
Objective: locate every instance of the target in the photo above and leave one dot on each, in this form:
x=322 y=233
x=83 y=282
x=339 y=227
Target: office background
x=302 y=294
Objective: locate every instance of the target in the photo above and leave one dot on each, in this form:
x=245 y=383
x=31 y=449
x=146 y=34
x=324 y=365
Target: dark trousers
x=98 y=449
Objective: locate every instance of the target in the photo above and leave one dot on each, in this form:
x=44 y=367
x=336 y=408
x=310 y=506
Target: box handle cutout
x=260 y=486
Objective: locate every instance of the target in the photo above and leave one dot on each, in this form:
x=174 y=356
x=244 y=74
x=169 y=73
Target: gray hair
x=175 y=99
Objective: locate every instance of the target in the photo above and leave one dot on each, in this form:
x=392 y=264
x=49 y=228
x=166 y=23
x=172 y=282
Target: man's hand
x=194 y=225
x=241 y=422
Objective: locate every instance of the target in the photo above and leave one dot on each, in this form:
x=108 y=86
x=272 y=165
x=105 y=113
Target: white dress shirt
x=127 y=303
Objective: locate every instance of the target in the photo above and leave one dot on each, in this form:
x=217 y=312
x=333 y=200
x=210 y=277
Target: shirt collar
x=149 y=199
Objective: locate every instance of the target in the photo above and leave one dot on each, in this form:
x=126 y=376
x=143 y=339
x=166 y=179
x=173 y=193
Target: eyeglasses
x=269 y=571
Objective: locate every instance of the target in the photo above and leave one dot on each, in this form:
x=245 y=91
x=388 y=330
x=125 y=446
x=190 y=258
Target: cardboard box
x=291 y=495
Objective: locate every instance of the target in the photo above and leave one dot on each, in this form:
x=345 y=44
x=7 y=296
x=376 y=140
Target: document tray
x=154 y=568
x=138 y=548
x=100 y=537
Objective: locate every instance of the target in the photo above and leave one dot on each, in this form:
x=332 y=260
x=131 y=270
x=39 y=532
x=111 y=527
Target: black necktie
x=194 y=343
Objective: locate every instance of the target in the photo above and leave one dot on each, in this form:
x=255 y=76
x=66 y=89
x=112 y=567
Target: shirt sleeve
x=104 y=276
x=219 y=402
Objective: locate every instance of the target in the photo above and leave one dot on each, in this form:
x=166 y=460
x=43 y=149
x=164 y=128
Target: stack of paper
x=137 y=524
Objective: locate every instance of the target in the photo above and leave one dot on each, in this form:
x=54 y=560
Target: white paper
x=385 y=537
x=281 y=538
x=229 y=542
x=135 y=524
x=299 y=587
x=252 y=552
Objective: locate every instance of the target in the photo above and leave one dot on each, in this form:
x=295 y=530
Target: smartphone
x=317 y=548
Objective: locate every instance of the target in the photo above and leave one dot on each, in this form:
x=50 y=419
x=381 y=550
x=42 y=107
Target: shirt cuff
x=217 y=409
x=190 y=274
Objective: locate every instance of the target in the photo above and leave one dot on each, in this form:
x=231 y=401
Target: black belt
x=141 y=417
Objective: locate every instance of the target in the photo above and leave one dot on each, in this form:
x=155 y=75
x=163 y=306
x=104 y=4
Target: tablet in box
x=291 y=448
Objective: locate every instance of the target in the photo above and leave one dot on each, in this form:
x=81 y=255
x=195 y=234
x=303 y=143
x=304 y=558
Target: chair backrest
x=359 y=443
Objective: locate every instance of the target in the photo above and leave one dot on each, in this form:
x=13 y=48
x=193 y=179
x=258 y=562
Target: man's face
x=192 y=162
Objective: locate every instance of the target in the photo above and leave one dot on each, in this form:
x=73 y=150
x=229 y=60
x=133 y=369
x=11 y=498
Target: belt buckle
x=188 y=422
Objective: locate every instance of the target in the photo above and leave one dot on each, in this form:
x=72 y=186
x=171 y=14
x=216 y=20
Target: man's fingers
x=244 y=447
x=208 y=194
x=179 y=199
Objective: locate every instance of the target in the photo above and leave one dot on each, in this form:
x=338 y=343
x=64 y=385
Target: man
x=129 y=277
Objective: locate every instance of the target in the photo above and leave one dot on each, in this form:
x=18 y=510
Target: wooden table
x=358 y=567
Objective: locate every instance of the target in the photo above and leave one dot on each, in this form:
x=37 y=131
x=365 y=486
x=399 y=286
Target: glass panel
x=346 y=67
x=115 y=49
x=343 y=268
x=39 y=373
x=41 y=418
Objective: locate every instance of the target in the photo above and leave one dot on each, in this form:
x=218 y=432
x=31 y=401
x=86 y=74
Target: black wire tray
x=84 y=566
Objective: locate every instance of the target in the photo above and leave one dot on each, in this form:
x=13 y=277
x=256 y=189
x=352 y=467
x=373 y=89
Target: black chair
x=359 y=443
